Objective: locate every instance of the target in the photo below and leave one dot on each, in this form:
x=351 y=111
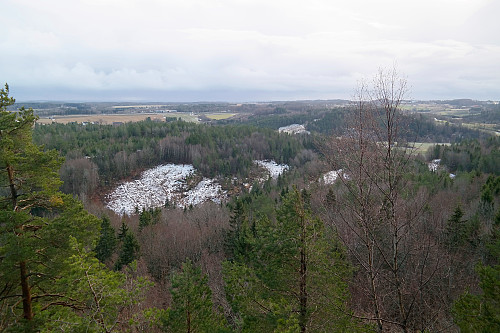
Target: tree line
x=481 y=155
x=417 y=127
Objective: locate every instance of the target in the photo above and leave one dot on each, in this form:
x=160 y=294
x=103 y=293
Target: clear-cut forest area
x=378 y=214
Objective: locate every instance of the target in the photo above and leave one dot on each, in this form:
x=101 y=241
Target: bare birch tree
x=379 y=215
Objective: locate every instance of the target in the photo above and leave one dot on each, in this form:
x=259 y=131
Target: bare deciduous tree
x=379 y=214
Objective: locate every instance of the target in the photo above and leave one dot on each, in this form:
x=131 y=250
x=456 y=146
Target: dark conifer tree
x=123 y=231
x=294 y=278
x=192 y=308
x=456 y=229
x=129 y=251
x=107 y=241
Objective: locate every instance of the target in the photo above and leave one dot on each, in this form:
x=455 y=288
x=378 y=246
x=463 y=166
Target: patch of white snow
x=330 y=177
x=159 y=185
x=434 y=164
x=273 y=168
x=293 y=129
x=207 y=189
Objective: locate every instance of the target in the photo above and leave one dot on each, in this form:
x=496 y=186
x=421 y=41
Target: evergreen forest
x=391 y=245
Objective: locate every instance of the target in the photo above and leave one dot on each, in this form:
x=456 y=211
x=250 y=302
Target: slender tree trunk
x=27 y=303
x=303 y=271
x=303 y=288
x=188 y=320
x=373 y=288
x=26 y=290
x=12 y=185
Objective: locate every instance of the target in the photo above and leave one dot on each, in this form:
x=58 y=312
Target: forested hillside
x=100 y=155
x=392 y=244
x=416 y=127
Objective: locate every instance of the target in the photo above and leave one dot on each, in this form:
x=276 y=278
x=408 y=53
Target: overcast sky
x=246 y=50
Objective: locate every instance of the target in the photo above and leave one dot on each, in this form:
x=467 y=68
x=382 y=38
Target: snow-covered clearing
x=274 y=169
x=167 y=183
x=207 y=189
x=330 y=177
x=161 y=184
x=434 y=165
x=293 y=129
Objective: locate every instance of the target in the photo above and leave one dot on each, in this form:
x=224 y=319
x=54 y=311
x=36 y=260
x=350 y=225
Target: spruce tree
x=107 y=242
x=237 y=236
x=129 y=251
x=192 y=308
x=457 y=229
x=481 y=312
x=145 y=219
x=123 y=231
x=295 y=279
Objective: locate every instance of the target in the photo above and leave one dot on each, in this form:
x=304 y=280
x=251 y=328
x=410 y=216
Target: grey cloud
x=246 y=49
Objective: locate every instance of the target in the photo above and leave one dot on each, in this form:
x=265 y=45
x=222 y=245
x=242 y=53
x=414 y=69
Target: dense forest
x=99 y=155
x=392 y=245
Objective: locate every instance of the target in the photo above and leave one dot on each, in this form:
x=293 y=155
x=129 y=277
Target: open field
x=220 y=116
x=145 y=106
x=432 y=108
x=453 y=112
x=423 y=147
x=487 y=128
x=109 y=119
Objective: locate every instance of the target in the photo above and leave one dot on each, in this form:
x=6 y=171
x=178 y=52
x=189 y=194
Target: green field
x=423 y=147
x=488 y=128
x=220 y=116
x=183 y=116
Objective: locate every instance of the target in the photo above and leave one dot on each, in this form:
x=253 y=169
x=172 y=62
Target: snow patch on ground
x=274 y=169
x=207 y=189
x=330 y=177
x=434 y=165
x=293 y=129
x=159 y=185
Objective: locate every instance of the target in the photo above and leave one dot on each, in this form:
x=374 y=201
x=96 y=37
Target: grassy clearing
x=220 y=116
x=484 y=127
x=183 y=116
x=420 y=147
x=454 y=113
x=423 y=147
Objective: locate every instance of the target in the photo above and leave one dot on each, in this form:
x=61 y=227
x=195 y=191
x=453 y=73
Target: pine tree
x=481 y=313
x=330 y=197
x=102 y=298
x=35 y=222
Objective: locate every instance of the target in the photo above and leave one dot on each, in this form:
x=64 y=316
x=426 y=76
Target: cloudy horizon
x=246 y=50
